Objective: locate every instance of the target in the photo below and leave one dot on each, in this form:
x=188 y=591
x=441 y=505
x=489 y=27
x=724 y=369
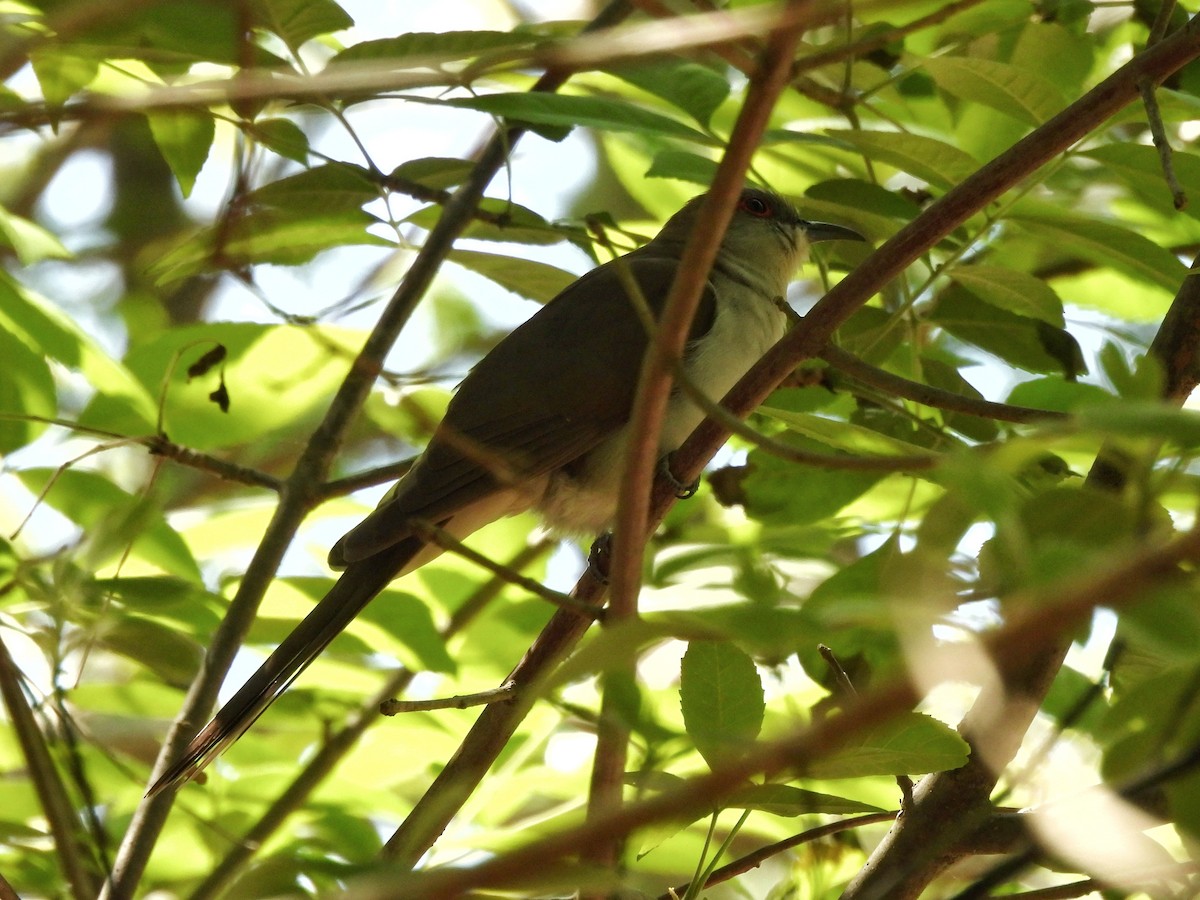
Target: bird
x=541 y=422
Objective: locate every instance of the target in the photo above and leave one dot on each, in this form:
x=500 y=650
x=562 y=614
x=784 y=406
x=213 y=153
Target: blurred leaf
x=434 y=171
x=29 y=241
x=936 y=162
x=947 y=378
x=1056 y=393
x=1144 y=420
x=298 y=21
x=27 y=389
x=184 y=138
x=911 y=744
x=1139 y=166
x=1016 y=91
x=55 y=336
x=113 y=519
x=586 y=112
x=278 y=377
x=447 y=45
x=160 y=649
x=519 y=225
x=721 y=696
x=683 y=166
x=1104 y=244
x=693 y=88
x=61 y=73
x=784 y=800
x=783 y=492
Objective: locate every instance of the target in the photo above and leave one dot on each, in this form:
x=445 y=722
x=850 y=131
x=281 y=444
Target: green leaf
x=184 y=138
x=283 y=136
x=785 y=800
x=1027 y=343
x=62 y=72
x=330 y=188
x=1014 y=291
x=533 y=280
x=519 y=224
x=443 y=45
x=1104 y=244
x=298 y=21
x=434 y=171
x=721 y=696
x=684 y=166
x=929 y=159
x=1015 y=91
x=27 y=388
x=402 y=616
x=912 y=744
x=587 y=112
x=693 y=88
x=266 y=237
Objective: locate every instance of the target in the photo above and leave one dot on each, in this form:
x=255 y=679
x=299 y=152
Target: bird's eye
x=756 y=206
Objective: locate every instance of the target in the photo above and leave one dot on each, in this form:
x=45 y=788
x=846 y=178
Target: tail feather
x=333 y=613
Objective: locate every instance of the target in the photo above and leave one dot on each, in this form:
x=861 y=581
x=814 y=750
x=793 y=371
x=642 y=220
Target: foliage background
x=168 y=192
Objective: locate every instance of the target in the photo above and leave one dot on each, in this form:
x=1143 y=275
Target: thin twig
x=750 y=861
x=502 y=694
x=433 y=534
x=927 y=395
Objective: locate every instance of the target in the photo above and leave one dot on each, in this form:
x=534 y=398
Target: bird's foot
x=682 y=491
x=600 y=557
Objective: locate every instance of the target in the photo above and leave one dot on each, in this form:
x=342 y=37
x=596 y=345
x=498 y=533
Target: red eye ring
x=755 y=206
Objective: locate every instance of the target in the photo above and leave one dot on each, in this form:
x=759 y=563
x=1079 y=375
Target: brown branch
x=394 y=707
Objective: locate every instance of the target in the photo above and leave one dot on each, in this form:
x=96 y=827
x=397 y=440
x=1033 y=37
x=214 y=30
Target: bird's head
x=766 y=236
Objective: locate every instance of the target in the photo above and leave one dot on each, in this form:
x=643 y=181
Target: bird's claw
x=682 y=491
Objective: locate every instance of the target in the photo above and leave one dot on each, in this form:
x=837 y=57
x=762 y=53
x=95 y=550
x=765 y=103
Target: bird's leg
x=682 y=491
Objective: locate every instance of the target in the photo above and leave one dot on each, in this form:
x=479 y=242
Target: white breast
x=746 y=325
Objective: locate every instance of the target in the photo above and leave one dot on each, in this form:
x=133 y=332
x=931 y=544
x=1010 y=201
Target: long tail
x=354 y=590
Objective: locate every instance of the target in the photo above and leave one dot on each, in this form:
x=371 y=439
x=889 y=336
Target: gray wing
x=521 y=403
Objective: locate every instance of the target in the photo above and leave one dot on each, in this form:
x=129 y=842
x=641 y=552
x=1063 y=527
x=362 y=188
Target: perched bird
x=541 y=423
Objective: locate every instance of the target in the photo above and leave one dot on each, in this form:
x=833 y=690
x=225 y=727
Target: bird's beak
x=820 y=231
